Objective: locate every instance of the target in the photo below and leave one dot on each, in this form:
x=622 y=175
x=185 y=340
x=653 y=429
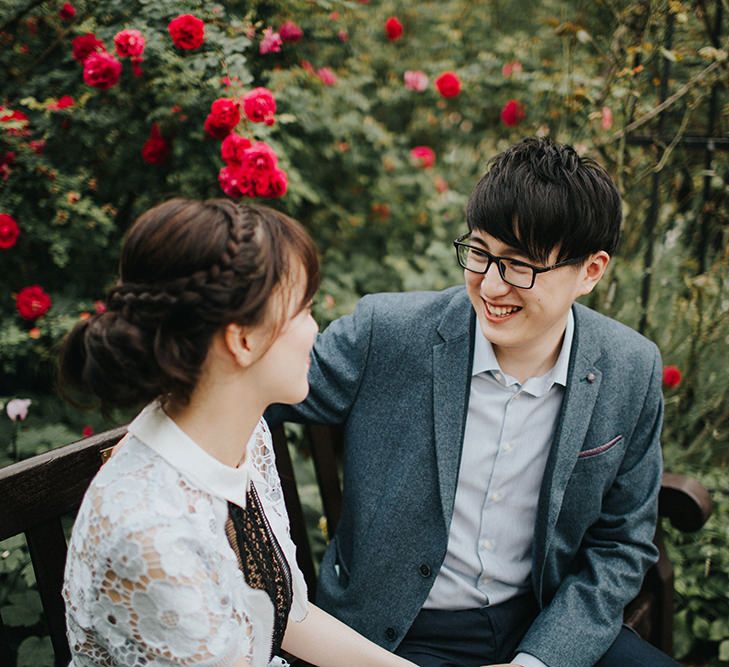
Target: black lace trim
x=261 y=560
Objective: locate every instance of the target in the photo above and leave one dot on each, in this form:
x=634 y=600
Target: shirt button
x=424 y=570
x=488 y=545
x=496 y=496
x=508 y=446
x=497 y=376
x=390 y=633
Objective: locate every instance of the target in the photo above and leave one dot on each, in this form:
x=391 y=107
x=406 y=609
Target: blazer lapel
x=452 y=362
x=583 y=384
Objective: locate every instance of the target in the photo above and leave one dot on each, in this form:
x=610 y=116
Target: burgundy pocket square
x=599 y=450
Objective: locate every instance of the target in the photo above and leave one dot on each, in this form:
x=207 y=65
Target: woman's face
x=283 y=368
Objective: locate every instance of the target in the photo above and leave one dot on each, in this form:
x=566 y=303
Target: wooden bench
x=35 y=494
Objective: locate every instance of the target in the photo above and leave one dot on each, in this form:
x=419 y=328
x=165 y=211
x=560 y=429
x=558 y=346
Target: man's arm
x=584 y=616
x=338 y=361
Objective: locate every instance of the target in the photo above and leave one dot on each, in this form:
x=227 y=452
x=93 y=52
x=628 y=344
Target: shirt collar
x=484 y=360
x=160 y=433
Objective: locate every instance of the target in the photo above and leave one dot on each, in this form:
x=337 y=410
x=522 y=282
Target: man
x=502 y=456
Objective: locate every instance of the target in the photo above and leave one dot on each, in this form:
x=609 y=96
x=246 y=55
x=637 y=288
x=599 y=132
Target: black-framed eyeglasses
x=512 y=271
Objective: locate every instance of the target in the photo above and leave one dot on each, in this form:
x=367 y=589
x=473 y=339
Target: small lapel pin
x=591 y=377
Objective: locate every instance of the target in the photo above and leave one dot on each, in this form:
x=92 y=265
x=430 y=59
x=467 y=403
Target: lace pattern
x=262 y=561
x=151 y=578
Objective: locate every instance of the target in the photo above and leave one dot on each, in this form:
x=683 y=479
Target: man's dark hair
x=539 y=195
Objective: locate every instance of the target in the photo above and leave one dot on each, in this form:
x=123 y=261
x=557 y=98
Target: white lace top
x=151 y=578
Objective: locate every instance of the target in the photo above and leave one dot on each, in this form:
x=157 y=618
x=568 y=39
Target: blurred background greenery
x=593 y=73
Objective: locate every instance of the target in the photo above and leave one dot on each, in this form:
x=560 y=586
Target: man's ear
x=241 y=342
x=592 y=270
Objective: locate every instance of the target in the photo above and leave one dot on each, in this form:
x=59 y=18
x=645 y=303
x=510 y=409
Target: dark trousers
x=491 y=635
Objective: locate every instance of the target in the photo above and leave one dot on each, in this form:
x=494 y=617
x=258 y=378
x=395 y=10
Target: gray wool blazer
x=395 y=375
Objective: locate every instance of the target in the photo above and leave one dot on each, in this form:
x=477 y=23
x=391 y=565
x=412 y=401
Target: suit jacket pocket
x=595 y=451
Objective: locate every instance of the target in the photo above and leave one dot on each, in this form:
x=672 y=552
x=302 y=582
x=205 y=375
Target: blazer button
x=390 y=633
x=425 y=570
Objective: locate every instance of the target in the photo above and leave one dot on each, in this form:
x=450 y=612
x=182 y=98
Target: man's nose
x=492 y=283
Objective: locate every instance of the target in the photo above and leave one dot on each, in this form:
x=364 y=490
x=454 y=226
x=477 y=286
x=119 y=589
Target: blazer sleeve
x=338 y=362
x=585 y=615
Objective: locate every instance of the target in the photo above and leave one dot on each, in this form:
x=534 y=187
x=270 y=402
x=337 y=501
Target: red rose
x=393 y=28
x=9 y=231
x=259 y=158
x=448 y=84
x=187 y=31
x=67 y=12
x=156 y=149
x=129 y=43
x=223 y=117
x=290 y=32
x=671 y=376
x=18 y=119
x=63 y=102
x=101 y=70
x=425 y=155
x=235 y=182
x=512 y=113
x=260 y=106
x=87 y=431
x=271 y=42
x=84 y=45
x=277 y=184
x=32 y=302
x=233 y=147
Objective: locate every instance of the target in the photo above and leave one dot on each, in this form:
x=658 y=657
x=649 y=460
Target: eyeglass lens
x=514 y=273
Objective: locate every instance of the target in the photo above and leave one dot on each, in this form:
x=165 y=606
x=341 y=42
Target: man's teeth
x=501 y=311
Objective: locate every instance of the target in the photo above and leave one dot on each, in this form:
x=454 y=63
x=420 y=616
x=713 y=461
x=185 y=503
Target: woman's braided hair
x=188 y=268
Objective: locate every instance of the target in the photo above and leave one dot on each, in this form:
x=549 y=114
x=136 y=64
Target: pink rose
x=290 y=32
x=511 y=68
x=512 y=113
x=101 y=70
x=448 y=84
x=393 y=28
x=129 y=43
x=416 y=80
x=187 y=31
x=259 y=106
x=327 y=77
x=17 y=408
x=271 y=42
x=606 y=118
x=424 y=155
x=233 y=148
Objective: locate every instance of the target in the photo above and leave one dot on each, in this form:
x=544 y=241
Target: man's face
x=525 y=320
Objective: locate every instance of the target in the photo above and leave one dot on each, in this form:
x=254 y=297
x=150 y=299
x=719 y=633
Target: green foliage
x=701 y=563
x=584 y=72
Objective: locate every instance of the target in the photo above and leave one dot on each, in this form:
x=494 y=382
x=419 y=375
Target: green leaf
x=724 y=651
x=35 y=652
x=25 y=609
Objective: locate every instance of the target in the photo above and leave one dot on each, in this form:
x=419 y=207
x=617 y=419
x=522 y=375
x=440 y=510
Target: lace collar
x=156 y=430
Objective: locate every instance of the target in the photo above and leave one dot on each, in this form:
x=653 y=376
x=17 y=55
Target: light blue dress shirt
x=509 y=428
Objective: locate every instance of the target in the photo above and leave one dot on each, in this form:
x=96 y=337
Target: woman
x=181 y=553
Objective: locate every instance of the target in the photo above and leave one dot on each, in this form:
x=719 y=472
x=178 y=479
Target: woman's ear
x=241 y=342
x=593 y=270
